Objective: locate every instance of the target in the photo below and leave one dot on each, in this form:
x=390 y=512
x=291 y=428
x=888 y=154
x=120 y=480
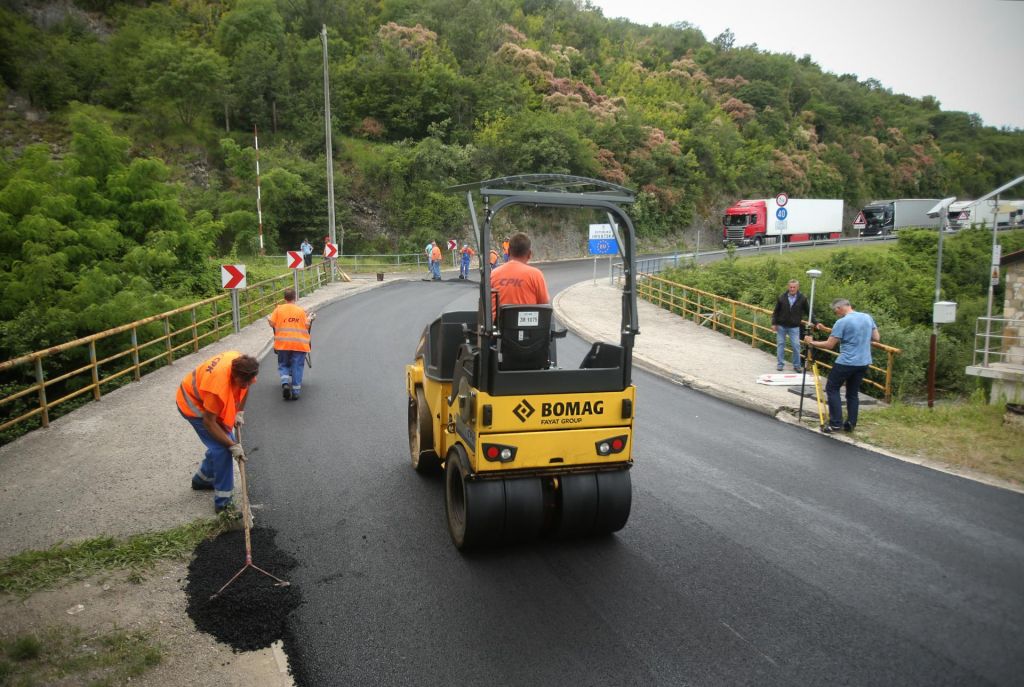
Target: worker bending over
x=211 y=398
x=291 y=343
x=515 y=282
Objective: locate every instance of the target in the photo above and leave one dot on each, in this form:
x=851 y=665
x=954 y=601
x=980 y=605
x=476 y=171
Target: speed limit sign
x=782 y=199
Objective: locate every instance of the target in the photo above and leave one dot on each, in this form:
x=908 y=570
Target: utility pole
x=330 y=154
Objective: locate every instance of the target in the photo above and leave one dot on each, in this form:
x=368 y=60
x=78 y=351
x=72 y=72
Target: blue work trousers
x=435 y=268
x=464 y=271
x=793 y=334
x=291 y=365
x=216 y=468
x=851 y=376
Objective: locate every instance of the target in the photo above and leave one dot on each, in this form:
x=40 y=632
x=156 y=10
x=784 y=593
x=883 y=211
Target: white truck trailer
x=966 y=213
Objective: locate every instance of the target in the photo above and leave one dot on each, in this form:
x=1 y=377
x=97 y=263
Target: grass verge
x=67 y=655
x=970 y=434
x=30 y=571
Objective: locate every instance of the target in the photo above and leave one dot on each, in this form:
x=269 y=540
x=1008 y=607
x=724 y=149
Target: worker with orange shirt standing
x=515 y=282
x=212 y=398
x=435 y=262
x=291 y=343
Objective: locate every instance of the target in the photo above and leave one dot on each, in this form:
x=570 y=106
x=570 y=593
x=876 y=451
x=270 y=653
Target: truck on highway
x=765 y=220
x=966 y=213
x=883 y=217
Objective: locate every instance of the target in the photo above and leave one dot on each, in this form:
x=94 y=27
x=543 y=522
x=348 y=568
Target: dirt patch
x=251 y=611
x=156 y=606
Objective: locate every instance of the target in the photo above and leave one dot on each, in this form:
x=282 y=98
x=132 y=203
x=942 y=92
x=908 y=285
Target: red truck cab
x=745 y=223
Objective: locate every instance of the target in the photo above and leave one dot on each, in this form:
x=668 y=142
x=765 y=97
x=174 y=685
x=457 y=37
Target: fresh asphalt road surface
x=756 y=553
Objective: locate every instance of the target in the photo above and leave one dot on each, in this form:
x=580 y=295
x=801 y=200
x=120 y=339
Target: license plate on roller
x=530 y=318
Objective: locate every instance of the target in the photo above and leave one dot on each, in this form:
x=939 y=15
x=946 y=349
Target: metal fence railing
x=745 y=322
x=35 y=386
x=998 y=341
x=656 y=264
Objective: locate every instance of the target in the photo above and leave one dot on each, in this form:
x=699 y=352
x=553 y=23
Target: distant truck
x=761 y=221
x=965 y=213
x=886 y=216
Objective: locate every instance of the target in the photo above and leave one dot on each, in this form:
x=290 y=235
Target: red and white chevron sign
x=294 y=259
x=232 y=276
x=331 y=250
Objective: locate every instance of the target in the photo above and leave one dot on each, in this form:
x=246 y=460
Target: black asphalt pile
x=251 y=613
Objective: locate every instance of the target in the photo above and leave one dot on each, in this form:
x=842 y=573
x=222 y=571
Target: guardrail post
x=41 y=382
x=888 y=376
x=732 y=323
x=167 y=339
x=135 y=354
x=195 y=332
x=95 y=371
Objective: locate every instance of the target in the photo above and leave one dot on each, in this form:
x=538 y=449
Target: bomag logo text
x=569 y=412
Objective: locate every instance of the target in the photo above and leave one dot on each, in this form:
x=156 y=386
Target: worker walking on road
x=291 y=343
x=853 y=332
x=515 y=282
x=212 y=398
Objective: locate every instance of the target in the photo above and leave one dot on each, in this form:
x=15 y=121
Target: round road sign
x=782 y=199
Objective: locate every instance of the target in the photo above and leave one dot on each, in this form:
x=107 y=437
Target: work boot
x=847 y=427
x=286 y=391
x=228 y=509
x=200 y=485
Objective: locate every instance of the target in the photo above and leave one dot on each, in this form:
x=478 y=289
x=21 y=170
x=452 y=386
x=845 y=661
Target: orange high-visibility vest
x=208 y=387
x=435 y=254
x=493 y=257
x=291 y=328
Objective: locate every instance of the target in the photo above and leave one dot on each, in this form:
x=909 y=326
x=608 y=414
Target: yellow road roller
x=526 y=446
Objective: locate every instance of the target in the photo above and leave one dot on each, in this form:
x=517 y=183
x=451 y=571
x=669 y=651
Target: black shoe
x=847 y=427
x=199 y=485
x=286 y=391
x=829 y=429
x=798 y=370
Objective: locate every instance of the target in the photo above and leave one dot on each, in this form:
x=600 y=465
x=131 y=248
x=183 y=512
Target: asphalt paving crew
x=467 y=256
x=212 y=399
x=435 y=262
x=516 y=282
x=291 y=343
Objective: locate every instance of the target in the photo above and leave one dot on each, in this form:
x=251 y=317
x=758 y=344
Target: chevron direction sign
x=330 y=250
x=232 y=276
x=294 y=260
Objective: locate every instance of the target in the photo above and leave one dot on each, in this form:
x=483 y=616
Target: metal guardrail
x=998 y=341
x=744 y=321
x=59 y=374
x=653 y=265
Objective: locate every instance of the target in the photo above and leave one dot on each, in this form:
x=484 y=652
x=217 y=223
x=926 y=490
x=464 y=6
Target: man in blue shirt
x=853 y=331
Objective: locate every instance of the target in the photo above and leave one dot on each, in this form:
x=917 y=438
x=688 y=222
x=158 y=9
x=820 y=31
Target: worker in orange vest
x=291 y=343
x=504 y=249
x=493 y=257
x=212 y=398
x=467 y=256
